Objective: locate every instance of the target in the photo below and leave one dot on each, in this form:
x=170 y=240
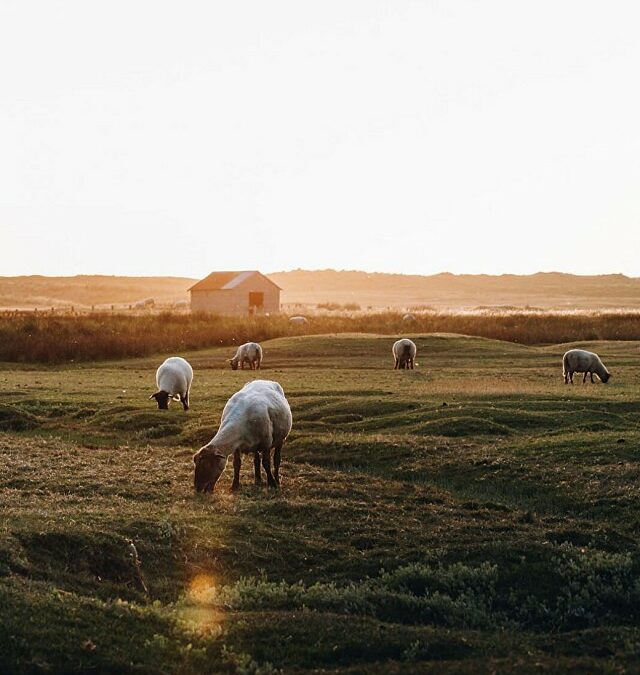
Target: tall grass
x=33 y=338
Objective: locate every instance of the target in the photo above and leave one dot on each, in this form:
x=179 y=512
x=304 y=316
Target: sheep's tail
x=565 y=365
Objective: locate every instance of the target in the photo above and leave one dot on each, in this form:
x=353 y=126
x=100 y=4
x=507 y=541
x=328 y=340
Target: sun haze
x=156 y=138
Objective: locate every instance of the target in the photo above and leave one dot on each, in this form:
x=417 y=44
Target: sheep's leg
x=396 y=364
x=258 y=364
x=592 y=381
x=266 y=464
x=584 y=378
x=256 y=467
x=411 y=363
x=185 y=400
x=276 y=463
x=237 y=461
x=571 y=376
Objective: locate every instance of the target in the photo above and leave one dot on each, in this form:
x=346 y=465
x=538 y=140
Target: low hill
x=546 y=290
x=88 y=290
x=551 y=290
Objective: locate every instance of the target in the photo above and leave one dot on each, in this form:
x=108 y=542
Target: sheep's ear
x=208 y=450
x=154 y=395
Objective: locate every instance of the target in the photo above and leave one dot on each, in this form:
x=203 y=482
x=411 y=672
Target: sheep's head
x=209 y=465
x=234 y=363
x=162 y=399
x=605 y=377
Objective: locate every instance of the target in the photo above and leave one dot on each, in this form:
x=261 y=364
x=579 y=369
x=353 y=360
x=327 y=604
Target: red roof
x=222 y=281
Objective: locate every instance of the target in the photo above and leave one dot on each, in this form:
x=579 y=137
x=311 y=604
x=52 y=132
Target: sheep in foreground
x=254 y=420
x=582 y=361
x=251 y=353
x=174 y=378
x=298 y=320
x=404 y=353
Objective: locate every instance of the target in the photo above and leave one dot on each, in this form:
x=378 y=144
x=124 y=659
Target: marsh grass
x=29 y=338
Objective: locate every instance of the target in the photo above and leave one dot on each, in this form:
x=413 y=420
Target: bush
x=589 y=588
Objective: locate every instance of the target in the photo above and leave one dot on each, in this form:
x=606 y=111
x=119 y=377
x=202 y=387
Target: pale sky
x=176 y=138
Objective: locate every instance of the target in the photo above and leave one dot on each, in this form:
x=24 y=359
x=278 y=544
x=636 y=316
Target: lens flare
x=199 y=615
x=202 y=589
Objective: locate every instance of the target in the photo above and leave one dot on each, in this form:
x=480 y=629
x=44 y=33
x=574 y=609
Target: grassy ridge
x=49 y=339
x=496 y=533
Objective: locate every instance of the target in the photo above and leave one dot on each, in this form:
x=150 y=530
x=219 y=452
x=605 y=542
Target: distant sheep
x=174 y=378
x=409 y=317
x=298 y=320
x=254 y=420
x=582 y=361
x=145 y=304
x=251 y=353
x=404 y=354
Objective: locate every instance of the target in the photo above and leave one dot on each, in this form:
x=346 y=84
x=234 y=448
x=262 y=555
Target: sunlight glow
x=198 y=614
x=202 y=589
x=413 y=137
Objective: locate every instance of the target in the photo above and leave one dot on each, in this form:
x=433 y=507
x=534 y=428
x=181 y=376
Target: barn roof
x=225 y=281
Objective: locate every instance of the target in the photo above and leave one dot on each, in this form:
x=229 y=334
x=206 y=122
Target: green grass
x=475 y=515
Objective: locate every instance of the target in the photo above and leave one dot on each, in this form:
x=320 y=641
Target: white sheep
x=409 y=318
x=298 y=320
x=174 y=378
x=404 y=353
x=582 y=361
x=251 y=353
x=254 y=420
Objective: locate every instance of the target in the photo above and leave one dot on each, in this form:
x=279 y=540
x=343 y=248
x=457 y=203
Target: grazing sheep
x=409 y=317
x=298 y=320
x=404 y=353
x=174 y=378
x=251 y=353
x=254 y=420
x=582 y=361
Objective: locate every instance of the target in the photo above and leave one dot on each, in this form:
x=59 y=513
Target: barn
x=248 y=292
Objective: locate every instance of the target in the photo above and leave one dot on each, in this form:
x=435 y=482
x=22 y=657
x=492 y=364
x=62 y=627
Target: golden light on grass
x=199 y=615
x=202 y=589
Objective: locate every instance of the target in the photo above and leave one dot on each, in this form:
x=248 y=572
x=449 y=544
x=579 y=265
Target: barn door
x=256 y=302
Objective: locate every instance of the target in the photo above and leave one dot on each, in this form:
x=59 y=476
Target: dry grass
x=30 y=338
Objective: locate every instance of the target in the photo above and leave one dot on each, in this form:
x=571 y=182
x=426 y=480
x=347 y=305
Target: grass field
x=475 y=515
